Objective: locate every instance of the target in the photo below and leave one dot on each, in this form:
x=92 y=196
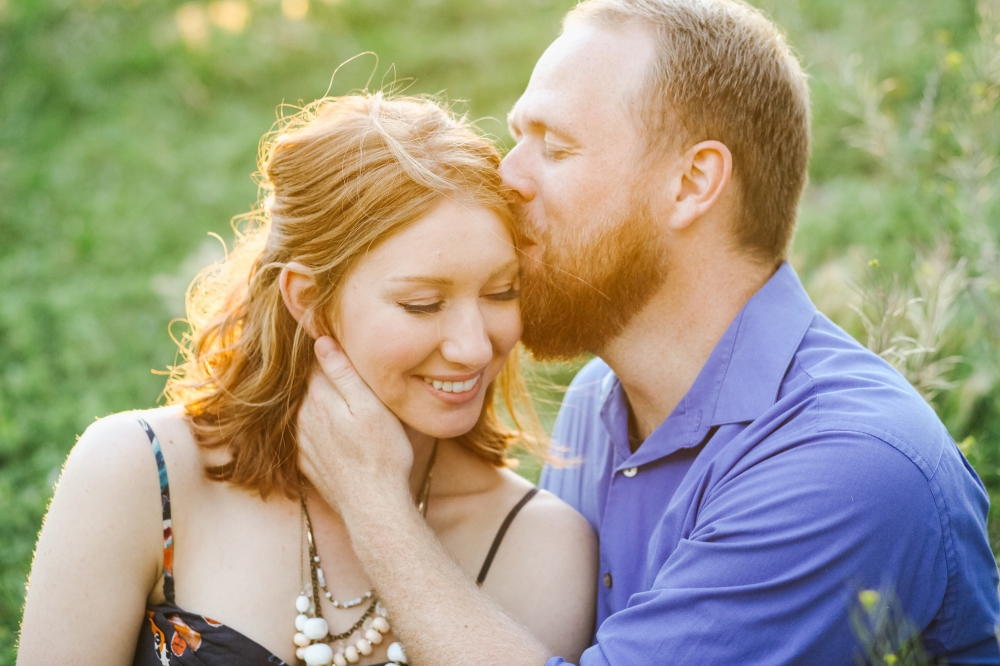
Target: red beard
x=578 y=296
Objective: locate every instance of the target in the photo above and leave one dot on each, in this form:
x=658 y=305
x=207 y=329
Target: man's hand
x=356 y=453
x=350 y=444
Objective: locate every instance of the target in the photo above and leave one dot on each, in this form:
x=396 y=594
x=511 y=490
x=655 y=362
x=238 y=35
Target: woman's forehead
x=453 y=241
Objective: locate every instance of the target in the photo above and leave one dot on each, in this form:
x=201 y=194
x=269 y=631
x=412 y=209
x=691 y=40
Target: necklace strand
x=312 y=637
x=318 y=579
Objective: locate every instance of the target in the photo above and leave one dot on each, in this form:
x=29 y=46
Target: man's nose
x=515 y=169
x=466 y=340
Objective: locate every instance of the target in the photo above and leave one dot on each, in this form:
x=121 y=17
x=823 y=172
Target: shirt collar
x=766 y=335
x=738 y=383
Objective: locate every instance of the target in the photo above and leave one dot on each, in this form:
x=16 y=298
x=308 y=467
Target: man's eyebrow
x=536 y=123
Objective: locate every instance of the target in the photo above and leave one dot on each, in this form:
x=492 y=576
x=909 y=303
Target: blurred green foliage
x=128 y=131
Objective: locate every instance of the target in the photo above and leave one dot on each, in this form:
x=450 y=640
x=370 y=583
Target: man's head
x=642 y=120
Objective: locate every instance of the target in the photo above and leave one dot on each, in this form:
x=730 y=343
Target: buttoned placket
x=629 y=483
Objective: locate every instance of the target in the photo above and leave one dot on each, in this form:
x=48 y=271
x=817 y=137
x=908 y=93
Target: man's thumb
x=336 y=366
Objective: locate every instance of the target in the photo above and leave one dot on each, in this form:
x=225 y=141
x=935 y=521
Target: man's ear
x=298 y=291
x=705 y=171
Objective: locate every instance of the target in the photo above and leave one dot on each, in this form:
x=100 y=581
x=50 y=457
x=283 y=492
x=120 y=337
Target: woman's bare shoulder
x=545 y=573
x=118 y=445
x=101 y=544
x=111 y=471
x=112 y=446
x=547 y=518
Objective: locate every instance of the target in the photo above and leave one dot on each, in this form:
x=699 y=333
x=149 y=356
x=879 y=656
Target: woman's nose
x=467 y=342
x=515 y=169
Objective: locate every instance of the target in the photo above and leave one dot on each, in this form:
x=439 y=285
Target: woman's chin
x=438 y=431
x=442 y=426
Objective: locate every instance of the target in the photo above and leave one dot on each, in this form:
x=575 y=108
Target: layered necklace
x=314 y=644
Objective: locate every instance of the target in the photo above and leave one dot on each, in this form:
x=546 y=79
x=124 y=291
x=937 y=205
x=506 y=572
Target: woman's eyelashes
x=510 y=294
x=421 y=309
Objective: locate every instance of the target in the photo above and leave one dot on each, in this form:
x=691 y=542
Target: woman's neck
x=456 y=469
x=422 y=445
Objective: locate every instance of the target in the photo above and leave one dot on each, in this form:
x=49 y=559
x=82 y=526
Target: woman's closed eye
x=510 y=295
x=421 y=308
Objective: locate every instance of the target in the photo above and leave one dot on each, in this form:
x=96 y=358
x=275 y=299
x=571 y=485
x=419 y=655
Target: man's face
x=593 y=253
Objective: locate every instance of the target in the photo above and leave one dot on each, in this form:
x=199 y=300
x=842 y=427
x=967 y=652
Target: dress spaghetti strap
x=168 y=535
x=172 y=636
x=500 y=535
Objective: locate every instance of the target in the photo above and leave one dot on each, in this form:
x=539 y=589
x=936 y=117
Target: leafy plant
x=886 y=635
x=909 y=325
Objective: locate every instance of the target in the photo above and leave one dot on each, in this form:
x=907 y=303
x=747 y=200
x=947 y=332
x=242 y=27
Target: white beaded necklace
x=312 y=633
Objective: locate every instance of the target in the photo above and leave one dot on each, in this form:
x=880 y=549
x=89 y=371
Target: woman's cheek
x=395 y=371
x=381 y=360
x=508 y=331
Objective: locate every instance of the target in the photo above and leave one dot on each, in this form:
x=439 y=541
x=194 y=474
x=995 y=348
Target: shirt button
x=631 y=471
x=607 y=580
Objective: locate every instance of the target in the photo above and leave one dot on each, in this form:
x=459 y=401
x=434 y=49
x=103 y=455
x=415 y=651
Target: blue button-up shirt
x=799 y=469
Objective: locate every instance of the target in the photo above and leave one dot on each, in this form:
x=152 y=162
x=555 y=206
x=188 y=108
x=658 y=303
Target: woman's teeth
x=453 y=387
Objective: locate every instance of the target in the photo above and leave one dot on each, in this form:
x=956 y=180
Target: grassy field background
x=128 y=132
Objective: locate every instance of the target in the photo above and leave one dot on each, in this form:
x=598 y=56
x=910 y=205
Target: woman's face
x=430 y=315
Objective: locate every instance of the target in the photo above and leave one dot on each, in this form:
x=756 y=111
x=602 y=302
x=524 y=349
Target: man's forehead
x=589 y=66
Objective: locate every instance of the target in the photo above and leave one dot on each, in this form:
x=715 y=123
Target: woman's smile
x=456 y=390
x=434 y=305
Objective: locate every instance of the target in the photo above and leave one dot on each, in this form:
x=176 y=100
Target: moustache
x=528 y=232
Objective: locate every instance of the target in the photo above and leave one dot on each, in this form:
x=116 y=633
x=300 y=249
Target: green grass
x=122 y=147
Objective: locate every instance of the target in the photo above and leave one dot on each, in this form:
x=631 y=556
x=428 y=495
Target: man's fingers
x=307 y=467
x=339 y=370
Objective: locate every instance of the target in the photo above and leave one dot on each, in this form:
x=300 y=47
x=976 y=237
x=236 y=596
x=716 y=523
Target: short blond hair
x=724 y=71
x=338 y=178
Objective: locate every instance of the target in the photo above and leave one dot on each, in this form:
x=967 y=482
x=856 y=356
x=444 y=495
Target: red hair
x=337 y=178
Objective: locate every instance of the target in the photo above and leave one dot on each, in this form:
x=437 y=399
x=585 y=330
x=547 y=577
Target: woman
x=185 y=535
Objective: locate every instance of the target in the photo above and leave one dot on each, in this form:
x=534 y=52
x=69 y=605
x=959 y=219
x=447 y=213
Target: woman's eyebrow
x=446 y=281
x=510 y=265
x=426 y=279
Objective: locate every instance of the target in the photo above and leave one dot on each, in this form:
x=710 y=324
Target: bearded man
x=748 y=467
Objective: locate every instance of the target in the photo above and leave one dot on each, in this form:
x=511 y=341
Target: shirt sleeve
x=781 y=546
x=579 y=417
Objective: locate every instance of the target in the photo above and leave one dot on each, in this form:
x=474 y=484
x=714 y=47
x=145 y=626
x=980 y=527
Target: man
x=748 y=467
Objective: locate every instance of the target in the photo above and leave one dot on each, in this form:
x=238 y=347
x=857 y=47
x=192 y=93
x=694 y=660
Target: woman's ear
x=298 y=291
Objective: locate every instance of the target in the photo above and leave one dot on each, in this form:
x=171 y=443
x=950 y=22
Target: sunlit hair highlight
x=337 y=178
